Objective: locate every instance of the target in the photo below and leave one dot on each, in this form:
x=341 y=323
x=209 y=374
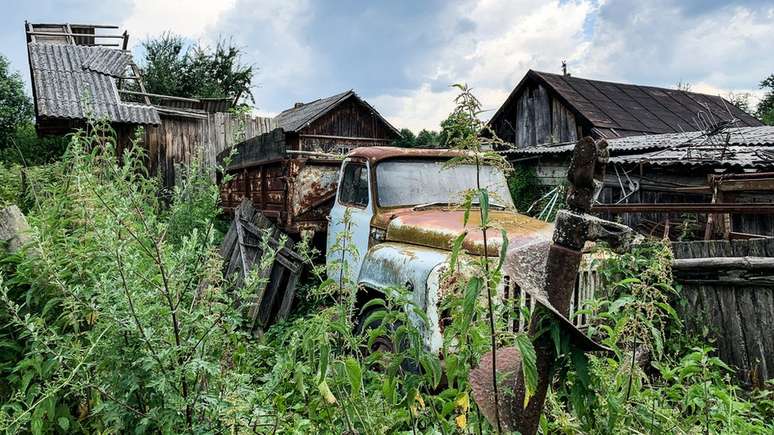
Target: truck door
x=353 y=197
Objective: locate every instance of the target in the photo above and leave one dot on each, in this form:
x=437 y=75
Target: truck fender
x=389 y=265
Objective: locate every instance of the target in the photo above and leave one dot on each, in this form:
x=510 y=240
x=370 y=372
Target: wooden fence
x=728 y=288
x=178 y=139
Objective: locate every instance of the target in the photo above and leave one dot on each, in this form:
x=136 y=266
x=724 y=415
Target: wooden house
x=336 y=124
x=82 y=71
x=547 y=108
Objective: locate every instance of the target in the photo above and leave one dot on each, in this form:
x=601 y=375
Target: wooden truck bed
x=295 y=190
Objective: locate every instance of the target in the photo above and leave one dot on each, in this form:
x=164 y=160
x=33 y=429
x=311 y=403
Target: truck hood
x=438 y=228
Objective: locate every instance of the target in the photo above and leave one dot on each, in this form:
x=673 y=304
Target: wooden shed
x=76 y=72
x=547 y=108
x=336 y=124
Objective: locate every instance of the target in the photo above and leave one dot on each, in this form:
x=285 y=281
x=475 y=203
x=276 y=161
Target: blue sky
x=402 y=55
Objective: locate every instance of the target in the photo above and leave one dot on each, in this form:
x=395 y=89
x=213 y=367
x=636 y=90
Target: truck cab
x=399 y=211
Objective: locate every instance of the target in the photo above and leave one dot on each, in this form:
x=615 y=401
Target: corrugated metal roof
x=747 y=136
x=619 y=109
x=296 y=118
x=732 y=156
x=75 y=82
x=106 y=61
x=740 y=147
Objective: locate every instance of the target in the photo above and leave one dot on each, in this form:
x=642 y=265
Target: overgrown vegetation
x=117 y=319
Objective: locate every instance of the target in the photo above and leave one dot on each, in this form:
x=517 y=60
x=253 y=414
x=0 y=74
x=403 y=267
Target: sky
x=402 y=56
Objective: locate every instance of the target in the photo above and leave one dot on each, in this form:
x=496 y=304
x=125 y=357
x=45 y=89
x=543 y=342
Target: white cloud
x=508 y=38
x=271 y=34
x=190 y=18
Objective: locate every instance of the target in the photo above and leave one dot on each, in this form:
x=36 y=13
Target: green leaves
x=355 y=375
x=528 y=366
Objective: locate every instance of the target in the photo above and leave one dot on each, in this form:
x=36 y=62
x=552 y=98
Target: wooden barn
x=290 y=173
x=336 y=124
x=547 y=108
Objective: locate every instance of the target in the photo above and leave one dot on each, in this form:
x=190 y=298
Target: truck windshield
x=412 y=182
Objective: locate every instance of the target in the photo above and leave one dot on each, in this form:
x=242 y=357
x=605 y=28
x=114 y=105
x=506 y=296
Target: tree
x=15 y=105
x=427 y=139
x=173 y=67
x=740 y=100
x=765 y=111
x=407 y=139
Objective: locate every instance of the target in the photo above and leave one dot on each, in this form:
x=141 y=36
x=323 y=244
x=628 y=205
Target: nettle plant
x=118 y=316
x=464 y=344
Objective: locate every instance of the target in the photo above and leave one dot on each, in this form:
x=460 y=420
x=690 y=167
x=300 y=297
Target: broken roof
x=619 y=109
x=747 y=147
x=74 y=75
x=75 y=82
x=303 y=114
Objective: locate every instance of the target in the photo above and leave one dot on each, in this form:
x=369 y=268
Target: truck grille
x=587 y=284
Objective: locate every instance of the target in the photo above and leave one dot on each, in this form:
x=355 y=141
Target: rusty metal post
x=572 y=229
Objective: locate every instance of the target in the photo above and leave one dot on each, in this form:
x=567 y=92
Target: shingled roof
x=74 y=82
x=303 y=114
x=618 y=109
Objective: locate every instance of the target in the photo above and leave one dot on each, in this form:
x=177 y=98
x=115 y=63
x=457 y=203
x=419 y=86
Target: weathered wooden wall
x=349 y=125
x=656 y=187
x=177 y=140
x=536 y=118
x=739 y=313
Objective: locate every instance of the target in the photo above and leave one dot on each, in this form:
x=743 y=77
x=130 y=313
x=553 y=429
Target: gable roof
x=296 y=118
x=75 y=81
x=619 y=109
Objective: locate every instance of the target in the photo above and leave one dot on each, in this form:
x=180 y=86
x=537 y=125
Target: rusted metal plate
x=295 y=193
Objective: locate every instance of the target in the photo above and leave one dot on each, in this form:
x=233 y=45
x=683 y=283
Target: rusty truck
x=403 y=211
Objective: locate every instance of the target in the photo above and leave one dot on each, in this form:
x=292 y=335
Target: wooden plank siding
x=178 y=140
x=738 y=314
x=537 y=118
x=348 y=126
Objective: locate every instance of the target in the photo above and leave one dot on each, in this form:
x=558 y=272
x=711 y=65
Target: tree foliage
x=424 y=139
x=765 y=110
x=15 y=105
x=172 y=66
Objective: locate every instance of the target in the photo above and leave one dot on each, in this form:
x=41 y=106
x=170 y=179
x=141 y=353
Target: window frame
x=365 y=167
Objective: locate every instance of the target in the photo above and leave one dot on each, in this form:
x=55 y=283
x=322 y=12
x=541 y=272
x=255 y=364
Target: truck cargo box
x=295 y=189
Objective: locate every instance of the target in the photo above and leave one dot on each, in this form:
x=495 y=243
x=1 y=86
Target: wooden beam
x=167 y=97
x=325 y=136
x=67 y=33
x=681 y=207
x=746 y=263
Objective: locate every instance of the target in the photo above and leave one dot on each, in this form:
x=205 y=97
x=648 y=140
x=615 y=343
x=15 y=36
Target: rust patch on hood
x=437 y=228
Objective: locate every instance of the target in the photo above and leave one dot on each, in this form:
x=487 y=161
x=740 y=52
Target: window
x=412 y=182
x=354 y=185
